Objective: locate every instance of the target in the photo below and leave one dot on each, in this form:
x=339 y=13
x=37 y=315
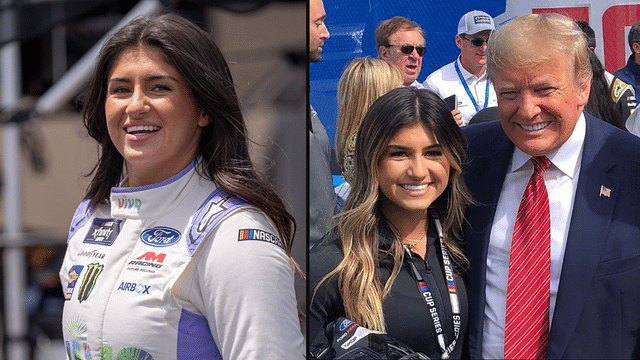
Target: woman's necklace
x=411 y=243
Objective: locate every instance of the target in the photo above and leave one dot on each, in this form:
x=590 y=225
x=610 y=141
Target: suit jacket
x=597 y=311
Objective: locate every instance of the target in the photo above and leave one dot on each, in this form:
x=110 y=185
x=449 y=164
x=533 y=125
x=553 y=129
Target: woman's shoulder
x=248 y=224
x=229 y=219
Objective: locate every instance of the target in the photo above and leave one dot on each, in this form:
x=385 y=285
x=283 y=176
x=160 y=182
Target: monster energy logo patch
x=89 y=281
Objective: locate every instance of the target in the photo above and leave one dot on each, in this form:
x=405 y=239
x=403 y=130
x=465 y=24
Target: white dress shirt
x=416 y=84
x=561 y=180
x=446 y=82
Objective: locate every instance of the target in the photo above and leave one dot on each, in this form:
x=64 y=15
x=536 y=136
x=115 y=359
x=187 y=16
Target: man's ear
x=459 y=41
x=636 y=48
x=204 y=119
x=583 y=93
x=383 y=52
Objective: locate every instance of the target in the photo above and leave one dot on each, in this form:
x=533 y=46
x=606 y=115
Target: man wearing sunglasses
x=467 y=76
x=401 y=42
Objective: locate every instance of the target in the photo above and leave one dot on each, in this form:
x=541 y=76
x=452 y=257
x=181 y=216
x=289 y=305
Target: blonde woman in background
x=363 y=81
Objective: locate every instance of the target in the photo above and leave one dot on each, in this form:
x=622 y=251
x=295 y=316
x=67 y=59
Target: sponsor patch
x=134 y=354
x=89 y=281
x=160 y=236
x=74 y=273
x=481 y=19
x=94 y=254
x=345 y=324
x=255 y=234
x=147 y=262
x=103 y=232
x=127 y=204
x=139 y=288
x=76 y=326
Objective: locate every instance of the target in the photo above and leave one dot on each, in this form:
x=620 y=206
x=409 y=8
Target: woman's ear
x=204 y=119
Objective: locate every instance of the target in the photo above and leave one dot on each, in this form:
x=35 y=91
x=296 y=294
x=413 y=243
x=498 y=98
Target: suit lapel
x=484 y=177
x=588 y=230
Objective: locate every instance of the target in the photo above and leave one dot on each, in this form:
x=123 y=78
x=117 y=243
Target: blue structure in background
x=352 y=24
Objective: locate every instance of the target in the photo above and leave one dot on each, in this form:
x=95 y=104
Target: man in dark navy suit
x=540 y=69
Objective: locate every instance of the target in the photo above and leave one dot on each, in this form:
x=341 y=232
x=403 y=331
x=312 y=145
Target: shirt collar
x=631 y=63
x=566 y=158
x=467 y=75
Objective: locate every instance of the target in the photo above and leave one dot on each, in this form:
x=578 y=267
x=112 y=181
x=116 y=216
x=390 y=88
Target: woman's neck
x=412 y=230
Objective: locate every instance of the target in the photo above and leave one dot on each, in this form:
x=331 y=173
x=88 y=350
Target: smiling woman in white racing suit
x=179 y=250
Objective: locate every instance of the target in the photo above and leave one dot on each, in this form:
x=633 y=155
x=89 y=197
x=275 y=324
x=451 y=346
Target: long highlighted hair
x=359 y=222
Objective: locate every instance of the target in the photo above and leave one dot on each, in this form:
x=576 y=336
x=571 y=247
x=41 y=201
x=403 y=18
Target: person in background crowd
x=179 y=245
x=600 y=103
x=630 y=74
x=362 y=82
x=622 y=94
x=402 y=42
x=322 y=204
x=466 y=77
x=558 y=196
x=397 y=245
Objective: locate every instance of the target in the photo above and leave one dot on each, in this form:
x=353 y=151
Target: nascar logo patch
x=261 y=235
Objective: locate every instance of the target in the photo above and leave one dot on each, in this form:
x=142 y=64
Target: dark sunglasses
x=477 y=42
x=408 y=49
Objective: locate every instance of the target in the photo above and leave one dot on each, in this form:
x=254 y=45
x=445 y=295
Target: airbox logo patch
x=103 y=232
x=133 y=287
x=160 y=236
x=261 y=235
x=74 y=273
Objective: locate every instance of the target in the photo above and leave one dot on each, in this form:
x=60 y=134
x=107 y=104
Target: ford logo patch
x=160 y=236
x=345 y=324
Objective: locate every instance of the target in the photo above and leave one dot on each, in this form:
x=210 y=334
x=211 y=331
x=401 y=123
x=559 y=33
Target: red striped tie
x=527 y=318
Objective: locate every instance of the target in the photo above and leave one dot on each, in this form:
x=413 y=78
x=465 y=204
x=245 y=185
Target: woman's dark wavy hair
x=223 y=142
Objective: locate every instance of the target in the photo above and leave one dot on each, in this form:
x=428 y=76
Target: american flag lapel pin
x=605 y=191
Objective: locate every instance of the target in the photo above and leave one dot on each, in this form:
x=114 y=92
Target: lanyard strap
x=428 y=297
x=466 y=87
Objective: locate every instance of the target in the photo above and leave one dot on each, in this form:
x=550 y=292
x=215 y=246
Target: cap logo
x=482 y=19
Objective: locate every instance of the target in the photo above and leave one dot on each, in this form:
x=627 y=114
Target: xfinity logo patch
x=133 y=287
x=160 y=236
x=103 y=232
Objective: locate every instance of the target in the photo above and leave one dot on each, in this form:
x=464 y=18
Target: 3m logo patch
x=74 y=273
x=103 y=232
x=89 y=281
x=151 y=256
x=147 y=262
x=261 y=235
